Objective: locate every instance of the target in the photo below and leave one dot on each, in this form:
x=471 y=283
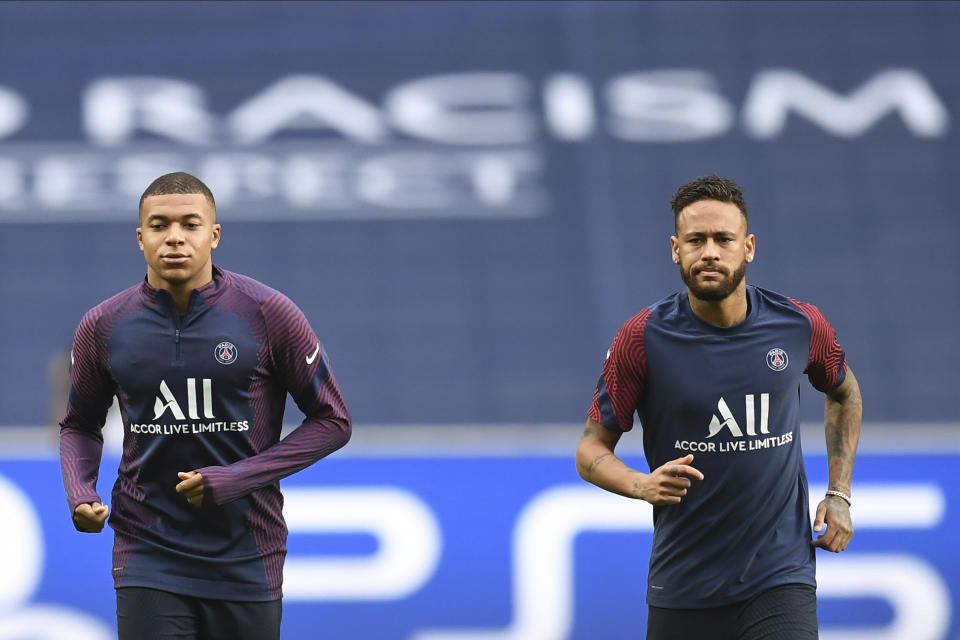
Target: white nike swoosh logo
x=313 y=356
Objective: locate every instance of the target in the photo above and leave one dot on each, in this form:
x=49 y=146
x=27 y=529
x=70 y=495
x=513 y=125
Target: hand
x=90 y=516
x=835 y=512
x=667 y=484
x=191 y=486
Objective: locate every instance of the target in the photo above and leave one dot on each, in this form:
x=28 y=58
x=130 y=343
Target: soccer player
x=713 y=373
x=200 y=360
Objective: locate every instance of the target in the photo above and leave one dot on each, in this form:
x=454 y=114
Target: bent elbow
x=346 y=431
x=583 y=468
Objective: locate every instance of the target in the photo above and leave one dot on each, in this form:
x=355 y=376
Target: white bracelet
x=840 y=494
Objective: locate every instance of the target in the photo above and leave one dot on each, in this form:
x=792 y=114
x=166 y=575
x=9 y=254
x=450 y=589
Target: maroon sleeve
x=302 y=367
x=622 y=382
x=827 y=365
x=91 y=392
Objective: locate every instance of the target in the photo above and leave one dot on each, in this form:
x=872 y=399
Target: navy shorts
x=152 y=614
x=788 y=612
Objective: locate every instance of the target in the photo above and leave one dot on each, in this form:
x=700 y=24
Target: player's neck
x=728 y=312
x=180 y=291
x=181 y=297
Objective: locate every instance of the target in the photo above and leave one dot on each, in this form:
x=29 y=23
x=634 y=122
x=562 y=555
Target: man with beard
x=713 y=373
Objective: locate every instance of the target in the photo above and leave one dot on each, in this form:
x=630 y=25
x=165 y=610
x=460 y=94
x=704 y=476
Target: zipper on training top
x=177 y=330
x=178 y=319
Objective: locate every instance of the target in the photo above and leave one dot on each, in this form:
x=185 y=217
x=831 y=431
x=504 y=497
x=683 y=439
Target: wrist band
x=840 y=494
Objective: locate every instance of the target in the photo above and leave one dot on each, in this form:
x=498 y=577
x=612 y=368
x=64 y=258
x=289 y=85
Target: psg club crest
x=777 y=359
x=226 y=353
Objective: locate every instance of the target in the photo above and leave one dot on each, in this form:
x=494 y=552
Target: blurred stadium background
x=467 y=199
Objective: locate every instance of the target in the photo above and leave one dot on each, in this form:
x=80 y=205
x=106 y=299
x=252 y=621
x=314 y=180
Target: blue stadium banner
x=467 y=199
x=496 y=547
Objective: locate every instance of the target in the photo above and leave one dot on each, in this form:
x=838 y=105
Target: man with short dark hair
x=200 y=360
x=713 y=373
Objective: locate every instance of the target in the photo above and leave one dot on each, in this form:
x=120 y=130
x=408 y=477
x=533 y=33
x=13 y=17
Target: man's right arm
x=81 y=440
x=597 y=464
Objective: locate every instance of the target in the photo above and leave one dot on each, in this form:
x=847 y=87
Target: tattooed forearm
x=589 y=431
x=596 y=462
x=842 y=416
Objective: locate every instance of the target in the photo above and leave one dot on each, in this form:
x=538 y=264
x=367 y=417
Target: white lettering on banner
x=667 y=106
x=241 y=175
x=913 y=588
x=777 y=92
x=13 y=111
x=486 y=108
x=306 y=101
x=305 y=184
x=22 y=568
x=465 y=108
x=23 y=547
x=63 y=181
x=919 y=506
x=49 y=622
x=316 y=178
x=568 y=106
x=114 y=109
x=915 y=591
x=543 y=559
x=407 y=533
x=386 y=181
x=427 y=182
x=306 y=147
x=543 y=563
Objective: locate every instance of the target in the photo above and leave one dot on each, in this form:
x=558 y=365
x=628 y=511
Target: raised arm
x=842 y=415
x=597 y=464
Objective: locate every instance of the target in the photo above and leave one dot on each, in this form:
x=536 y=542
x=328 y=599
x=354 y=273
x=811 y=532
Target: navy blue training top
x=201 y=391
x=730 y=396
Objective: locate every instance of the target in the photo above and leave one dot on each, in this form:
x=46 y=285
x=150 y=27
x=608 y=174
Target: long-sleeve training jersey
x=201 y=391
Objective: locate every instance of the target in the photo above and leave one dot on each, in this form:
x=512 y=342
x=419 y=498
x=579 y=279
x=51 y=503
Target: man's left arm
x=842 y=415
x=302 y=367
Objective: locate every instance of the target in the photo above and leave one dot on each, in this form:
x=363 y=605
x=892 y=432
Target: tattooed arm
x=598 y=465
x=842 y=415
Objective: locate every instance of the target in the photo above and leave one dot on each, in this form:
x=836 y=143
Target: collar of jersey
x=153 y=293
x=687 y=310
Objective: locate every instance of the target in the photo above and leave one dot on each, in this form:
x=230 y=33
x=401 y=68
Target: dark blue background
x=507 y=320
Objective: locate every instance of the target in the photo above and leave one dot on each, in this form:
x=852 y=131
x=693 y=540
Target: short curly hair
x=712 y=187
x=178 y=182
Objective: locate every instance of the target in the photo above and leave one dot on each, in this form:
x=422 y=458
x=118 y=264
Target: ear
x=675 y=249
x=140 y=238
x=750 y=247
x=216 y=236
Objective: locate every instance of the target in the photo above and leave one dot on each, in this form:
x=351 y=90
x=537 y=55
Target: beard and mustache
x=717 y=290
